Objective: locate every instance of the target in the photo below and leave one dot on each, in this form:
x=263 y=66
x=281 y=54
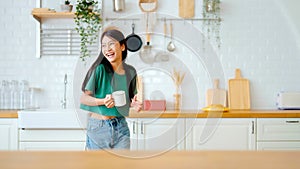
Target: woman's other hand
x=109 y=101
x=137 y=105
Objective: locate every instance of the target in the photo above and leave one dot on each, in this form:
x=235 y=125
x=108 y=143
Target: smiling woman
x=107 y=127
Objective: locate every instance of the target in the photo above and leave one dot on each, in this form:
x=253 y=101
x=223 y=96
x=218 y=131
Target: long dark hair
x=131 y=79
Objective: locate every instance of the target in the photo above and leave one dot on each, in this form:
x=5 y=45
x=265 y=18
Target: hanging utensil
x=171 y=46
x=163 y=56
x=146 y=54
x=133 y=41
x=148 y=5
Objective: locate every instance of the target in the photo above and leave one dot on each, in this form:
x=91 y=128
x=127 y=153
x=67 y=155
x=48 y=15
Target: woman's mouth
x=110 y=55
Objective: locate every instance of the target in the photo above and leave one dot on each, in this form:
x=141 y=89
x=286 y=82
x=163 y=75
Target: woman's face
x=111 y=49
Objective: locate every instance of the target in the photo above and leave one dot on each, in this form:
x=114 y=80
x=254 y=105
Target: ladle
x=171 y=46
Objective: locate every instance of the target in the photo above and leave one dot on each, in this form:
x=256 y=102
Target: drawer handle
x=133 y=127
x=292 y=121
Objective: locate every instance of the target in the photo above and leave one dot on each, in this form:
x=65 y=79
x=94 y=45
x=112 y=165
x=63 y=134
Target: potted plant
x=88 y=23
x=66 y=7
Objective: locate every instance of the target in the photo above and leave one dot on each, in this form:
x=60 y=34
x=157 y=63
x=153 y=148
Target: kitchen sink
x=52 y=118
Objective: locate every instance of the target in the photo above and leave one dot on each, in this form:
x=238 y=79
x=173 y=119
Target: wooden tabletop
x=151 y=160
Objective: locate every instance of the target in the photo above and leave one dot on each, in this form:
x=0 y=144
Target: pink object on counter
x=154 y=104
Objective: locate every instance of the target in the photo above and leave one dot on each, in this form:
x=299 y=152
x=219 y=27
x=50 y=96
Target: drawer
x=282 y=145
x=52 y=135
x=278 y=129
x=52 y=146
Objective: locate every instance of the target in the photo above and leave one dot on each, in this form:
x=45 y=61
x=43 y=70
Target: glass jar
x=5 y=95
x=14 y=95
x=24 y=94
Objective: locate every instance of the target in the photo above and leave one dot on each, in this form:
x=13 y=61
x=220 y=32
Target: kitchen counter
x=195 y=114
x=171 y=159
x=229 y=114
x=8 y=113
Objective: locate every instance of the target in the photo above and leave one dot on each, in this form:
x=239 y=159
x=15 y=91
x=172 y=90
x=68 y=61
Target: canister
x=119 y=5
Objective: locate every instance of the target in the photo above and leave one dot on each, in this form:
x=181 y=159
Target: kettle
x=119 y=5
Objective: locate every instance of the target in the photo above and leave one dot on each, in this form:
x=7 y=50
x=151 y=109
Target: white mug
x=119 y=98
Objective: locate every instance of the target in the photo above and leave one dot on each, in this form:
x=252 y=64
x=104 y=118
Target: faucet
x=64 y=101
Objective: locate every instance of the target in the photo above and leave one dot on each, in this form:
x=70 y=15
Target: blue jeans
x=108 y=134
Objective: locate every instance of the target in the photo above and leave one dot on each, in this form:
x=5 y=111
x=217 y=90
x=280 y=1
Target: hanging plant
x=88 y=23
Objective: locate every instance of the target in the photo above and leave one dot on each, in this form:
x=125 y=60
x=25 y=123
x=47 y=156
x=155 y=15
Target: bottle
x=5 y=95
x=2 y=95
x=14 y=95
x=33 y=103
x=24 y=94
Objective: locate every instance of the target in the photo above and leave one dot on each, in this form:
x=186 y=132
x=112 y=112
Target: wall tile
x=256 y=39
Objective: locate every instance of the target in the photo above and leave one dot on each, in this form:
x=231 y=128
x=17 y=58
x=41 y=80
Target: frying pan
x=133 y=41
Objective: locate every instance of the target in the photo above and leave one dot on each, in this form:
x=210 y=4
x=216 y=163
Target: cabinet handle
x=253 y=127
x=133 y=127
x=142 y=127
x=292 y=121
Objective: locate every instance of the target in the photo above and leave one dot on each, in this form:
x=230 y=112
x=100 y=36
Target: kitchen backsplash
x=259 y=37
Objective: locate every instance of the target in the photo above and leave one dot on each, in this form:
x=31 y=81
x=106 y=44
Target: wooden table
x=151 y=160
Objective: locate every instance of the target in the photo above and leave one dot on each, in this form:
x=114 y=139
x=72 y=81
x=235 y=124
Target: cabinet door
x=133 y=127
x=160 y=134
x=156 y=133
x=221 y=134
x=8 y=134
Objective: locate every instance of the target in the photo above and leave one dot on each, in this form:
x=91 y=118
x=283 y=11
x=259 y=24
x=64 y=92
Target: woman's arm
x=87 y=99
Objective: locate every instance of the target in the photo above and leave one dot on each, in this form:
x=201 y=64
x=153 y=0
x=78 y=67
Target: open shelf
x=39 y=15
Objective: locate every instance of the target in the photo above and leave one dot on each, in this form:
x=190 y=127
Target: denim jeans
x=108 y=134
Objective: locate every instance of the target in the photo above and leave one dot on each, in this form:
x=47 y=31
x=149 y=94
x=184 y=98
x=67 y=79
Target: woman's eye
x=111 y=44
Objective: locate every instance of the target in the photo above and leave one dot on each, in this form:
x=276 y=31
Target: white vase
x=66 y=8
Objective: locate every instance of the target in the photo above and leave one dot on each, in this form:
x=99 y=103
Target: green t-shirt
x=102 y=83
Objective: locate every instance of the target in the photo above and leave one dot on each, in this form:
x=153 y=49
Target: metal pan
x=133 y=41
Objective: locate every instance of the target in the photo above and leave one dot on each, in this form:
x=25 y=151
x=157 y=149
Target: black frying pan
x=133 y=41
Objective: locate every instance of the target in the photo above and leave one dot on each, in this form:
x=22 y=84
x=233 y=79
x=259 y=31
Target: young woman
x=107 y=127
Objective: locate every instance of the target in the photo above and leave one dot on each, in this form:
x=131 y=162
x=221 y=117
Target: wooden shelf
x=39 y=15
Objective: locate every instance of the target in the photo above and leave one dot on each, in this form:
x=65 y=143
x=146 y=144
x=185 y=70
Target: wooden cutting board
x=140 y=88
x=238 y=92
x=186 y=8
x=216 y=95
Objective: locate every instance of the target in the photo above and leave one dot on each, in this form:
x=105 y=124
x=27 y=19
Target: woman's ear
x=122 y=47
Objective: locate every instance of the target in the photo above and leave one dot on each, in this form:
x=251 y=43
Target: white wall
x=259 y=37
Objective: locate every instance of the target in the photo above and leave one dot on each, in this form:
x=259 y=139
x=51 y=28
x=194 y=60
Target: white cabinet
x=46 y=139
x=156 y=133
x=221 y=134
x=278 y=133
x=8 y=134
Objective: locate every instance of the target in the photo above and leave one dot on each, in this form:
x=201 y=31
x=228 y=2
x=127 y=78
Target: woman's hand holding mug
x=109 y=101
